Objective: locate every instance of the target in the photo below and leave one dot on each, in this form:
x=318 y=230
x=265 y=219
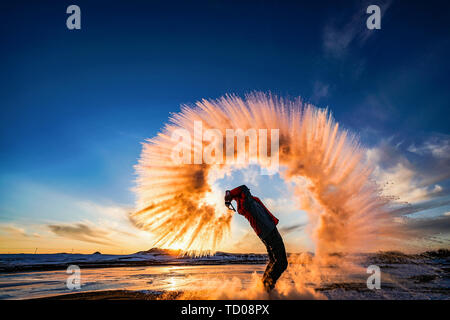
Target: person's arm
x=236 y=193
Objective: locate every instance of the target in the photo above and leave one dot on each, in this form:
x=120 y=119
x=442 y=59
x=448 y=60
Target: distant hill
x=159 y=251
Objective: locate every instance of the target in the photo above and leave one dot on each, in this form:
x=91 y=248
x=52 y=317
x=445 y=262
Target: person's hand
x=228 y=199
x=228 y=196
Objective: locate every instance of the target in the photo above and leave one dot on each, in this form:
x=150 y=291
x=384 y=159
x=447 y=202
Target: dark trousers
x=277 y=259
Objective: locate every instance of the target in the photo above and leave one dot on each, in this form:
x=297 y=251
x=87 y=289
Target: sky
x=75 y=105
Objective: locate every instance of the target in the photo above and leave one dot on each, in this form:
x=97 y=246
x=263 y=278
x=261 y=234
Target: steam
x=181 y=206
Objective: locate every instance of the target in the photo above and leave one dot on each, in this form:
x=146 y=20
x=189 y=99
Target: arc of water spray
x=327 y=164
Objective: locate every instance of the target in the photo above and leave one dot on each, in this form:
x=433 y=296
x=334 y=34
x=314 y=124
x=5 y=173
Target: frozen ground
x=425 y=276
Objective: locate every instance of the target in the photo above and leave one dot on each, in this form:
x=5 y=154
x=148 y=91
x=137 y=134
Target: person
x=264 y=223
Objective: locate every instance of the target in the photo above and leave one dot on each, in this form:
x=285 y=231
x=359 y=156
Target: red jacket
x=239 y=195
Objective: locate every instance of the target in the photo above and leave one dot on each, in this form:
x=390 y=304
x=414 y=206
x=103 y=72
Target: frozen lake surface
x=419 y=276
x=157 y=278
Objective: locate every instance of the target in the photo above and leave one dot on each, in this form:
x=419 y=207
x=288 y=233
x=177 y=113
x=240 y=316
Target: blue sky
x=76 y=104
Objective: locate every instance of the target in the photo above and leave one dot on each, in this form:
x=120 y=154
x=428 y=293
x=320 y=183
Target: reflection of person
x=264 y=224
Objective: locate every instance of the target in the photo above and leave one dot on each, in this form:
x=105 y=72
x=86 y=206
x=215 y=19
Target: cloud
x=14 y=231
x=113 y=217
x=437 y=146
x=406 y=184
x=320 y=90
x=110 y=226
x=419 y=233
x=413 y=173
x=251 y=176
x=93 y=223
x=111 y=211
x=288 y=229
x=81 y=232
x=416 y=173
x=281 y=205
x=429 y=226
x=422 y=206
x=377 y=106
